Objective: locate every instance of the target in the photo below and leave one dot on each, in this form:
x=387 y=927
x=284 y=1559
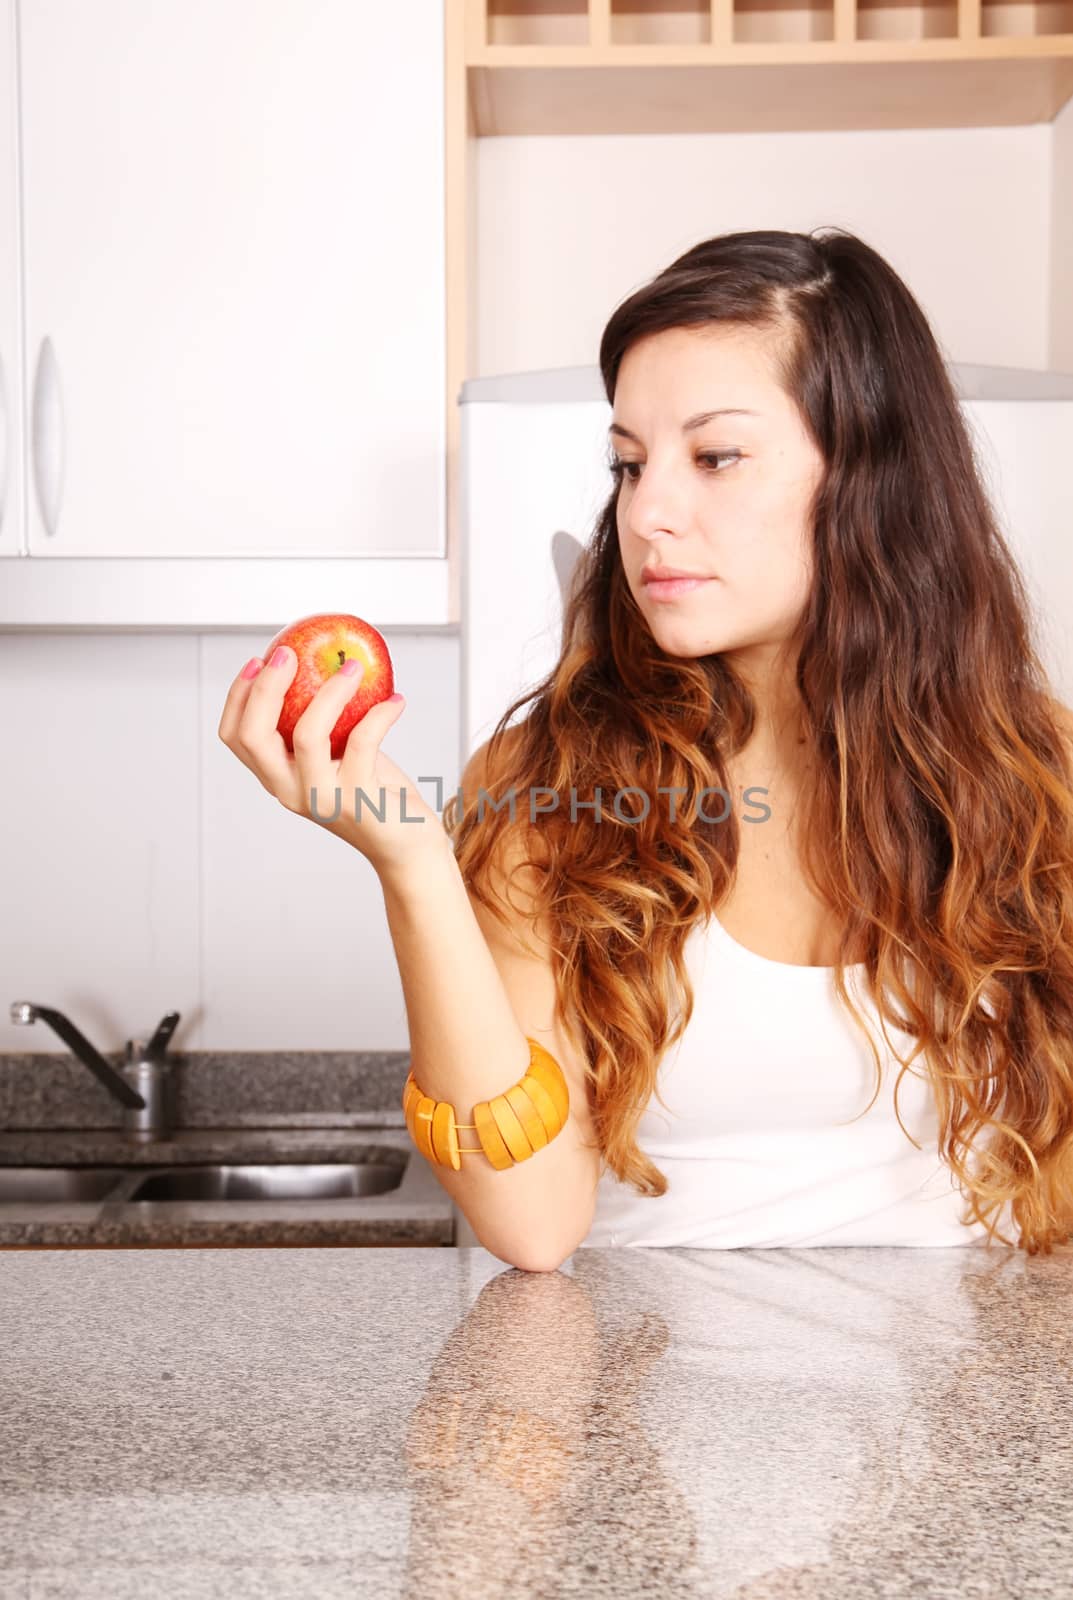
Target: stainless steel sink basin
x=328 y=1180
x=358 y=1186
x=34 y=1186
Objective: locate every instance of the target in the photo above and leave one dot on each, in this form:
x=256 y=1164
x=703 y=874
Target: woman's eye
x=624 y=469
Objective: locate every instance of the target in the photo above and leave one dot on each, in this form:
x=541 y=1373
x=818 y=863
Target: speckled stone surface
x=211 y=1088
x=743 y=1424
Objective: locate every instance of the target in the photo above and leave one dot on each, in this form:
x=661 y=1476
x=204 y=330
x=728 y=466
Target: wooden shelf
x=756 y=95
x=693 y=66
x=573 y=24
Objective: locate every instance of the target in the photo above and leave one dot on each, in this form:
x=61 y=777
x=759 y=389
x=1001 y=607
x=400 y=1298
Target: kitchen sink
x=356 y=1186
x=327 y=1180
x=34 y=1186
x=322 y=1180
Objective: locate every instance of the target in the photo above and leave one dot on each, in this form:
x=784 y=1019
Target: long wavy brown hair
x=938 y=822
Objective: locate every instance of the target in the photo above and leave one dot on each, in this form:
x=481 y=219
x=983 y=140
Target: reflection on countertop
x=821 y=1423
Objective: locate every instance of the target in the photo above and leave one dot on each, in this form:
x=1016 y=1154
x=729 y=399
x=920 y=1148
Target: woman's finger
x=235 y=703
x=257 y=739
x=312 y=732
x=365 y=738
x=318 y=771
x=282 y=785
x=364 y=766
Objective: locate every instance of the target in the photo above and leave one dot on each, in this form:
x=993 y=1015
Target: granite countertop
x=416 y=1210
x=815 y=1423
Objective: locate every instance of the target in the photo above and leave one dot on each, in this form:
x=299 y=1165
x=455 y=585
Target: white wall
x=1062 y=240
x=146 y=869
x=567 y=227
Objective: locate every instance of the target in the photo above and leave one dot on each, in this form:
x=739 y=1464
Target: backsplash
x=215 y=1089
x=146 y=870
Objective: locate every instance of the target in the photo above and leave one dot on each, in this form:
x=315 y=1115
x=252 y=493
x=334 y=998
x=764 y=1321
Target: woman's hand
x=311 y=784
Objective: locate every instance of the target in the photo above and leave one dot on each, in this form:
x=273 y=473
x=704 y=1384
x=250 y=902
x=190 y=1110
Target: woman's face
x=728 y=498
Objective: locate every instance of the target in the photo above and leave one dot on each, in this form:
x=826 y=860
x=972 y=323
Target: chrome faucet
x=142 y=1085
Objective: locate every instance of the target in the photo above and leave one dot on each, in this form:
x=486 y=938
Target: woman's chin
x=686 y=640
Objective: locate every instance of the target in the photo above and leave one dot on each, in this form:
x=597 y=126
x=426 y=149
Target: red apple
x=322 y=643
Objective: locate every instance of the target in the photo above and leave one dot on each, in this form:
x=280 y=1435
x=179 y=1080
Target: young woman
x=810 y=855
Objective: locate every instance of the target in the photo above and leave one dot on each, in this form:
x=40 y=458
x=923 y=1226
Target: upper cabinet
x=11 y=418
x=227 y=224
x=709 y=66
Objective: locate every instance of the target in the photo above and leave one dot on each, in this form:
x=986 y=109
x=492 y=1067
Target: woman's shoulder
x=487 y=778
x=1063 y=715
x=484 y=767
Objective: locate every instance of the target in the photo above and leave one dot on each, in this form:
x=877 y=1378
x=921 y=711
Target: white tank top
x=769 y=1065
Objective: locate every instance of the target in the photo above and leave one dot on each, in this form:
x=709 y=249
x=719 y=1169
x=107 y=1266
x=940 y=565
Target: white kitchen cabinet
x=232 y=247
x=11 y=422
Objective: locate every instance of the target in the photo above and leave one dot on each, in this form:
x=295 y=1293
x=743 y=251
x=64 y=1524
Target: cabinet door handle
x=48 y=436
x=5 y=442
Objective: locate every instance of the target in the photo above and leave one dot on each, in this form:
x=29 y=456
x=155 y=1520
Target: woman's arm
x=474 y=991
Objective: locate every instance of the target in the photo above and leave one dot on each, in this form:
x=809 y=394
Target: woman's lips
x=671 y=588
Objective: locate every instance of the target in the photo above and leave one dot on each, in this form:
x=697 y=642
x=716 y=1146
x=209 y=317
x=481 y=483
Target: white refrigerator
x=534 y=476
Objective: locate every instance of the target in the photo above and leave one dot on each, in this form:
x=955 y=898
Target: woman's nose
x=656 y=506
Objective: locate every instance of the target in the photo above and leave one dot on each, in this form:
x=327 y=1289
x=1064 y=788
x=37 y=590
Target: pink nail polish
x=252 y=667
x=350 y=666
x=279 y=656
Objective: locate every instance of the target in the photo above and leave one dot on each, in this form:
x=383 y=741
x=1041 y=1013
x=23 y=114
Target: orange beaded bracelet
x=511 y=1128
